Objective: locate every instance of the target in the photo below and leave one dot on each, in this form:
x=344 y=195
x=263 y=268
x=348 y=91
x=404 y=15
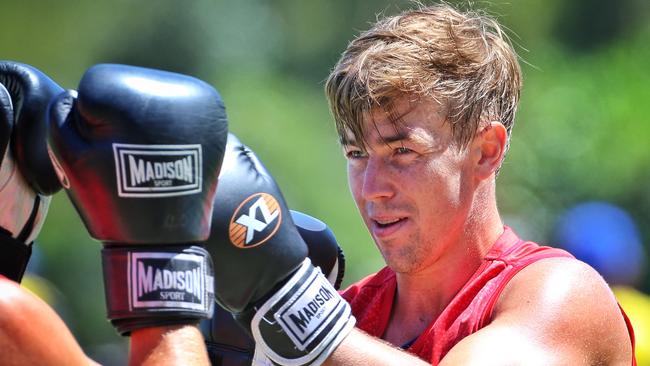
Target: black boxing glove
x=226 y=341
x=323 y=248
x=262 y=273
x=139 y=151
x=26 y=174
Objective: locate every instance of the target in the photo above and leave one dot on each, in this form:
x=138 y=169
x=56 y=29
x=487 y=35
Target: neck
x=423 y=295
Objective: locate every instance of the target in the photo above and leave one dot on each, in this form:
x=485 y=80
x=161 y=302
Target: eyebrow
x=398 y=136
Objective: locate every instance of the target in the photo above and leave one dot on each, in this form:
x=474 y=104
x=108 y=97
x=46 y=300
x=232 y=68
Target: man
x=424 y=104
x=31 y=333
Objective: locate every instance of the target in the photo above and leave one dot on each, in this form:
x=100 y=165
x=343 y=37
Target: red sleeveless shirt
x=371 y=299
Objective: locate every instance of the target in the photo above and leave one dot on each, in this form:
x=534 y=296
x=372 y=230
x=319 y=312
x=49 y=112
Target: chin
x=401 y=263
x=404 y=268
x=399 y=257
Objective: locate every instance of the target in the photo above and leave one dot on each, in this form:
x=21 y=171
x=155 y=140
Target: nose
x=377 y=180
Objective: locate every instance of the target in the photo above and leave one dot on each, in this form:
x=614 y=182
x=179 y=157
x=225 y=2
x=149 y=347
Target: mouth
x=383 y=227
x=387 y=222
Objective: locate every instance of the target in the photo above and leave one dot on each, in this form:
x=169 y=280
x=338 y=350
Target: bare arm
x=31 y=333
x=361 y=349
x=171 y=345
x=494 y=346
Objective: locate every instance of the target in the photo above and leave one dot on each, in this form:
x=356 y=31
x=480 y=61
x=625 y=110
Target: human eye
x=402 y=150
x=353 y=153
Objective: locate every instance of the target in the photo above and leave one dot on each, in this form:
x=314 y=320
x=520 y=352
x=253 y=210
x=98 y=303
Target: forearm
x=170 y=345
x=358 y=348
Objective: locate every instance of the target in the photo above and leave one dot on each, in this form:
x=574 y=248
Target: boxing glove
x=262 y=273
x=226 y=341
x=322 y=247
x=139 y=151
x=26 y=174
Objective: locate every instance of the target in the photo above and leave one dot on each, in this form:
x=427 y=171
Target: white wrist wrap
x=304 y=321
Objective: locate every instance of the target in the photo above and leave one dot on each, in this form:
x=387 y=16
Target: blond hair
x=462 y=60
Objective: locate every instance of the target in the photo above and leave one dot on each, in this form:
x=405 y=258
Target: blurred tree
x=586 y=25
x=580 y=134
x=166 y=38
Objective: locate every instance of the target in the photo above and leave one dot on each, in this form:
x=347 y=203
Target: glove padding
x=323 y=248
x=26 y=174
x=262 y=273
x=140 y=151
x=227 y=342
x=31 y=92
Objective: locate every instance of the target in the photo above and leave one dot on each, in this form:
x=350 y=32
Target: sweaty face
x=412 y=184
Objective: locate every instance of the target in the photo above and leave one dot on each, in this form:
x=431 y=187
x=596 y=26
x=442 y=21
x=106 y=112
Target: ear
x=490 y=146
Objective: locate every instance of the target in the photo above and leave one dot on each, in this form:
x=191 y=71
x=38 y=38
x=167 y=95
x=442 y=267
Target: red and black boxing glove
x=263 y=275
x=139 y=151
x=26 y=174
x=228 y=344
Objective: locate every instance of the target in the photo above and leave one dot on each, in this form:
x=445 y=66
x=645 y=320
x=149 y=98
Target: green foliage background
x=581 y=134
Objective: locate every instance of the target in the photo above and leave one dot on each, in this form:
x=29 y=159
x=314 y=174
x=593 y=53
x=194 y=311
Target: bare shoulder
x=27 y=323
x=12 y=301
x=567 y=304
x=19 y=306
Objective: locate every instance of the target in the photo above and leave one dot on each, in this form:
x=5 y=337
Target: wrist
x=150 y=286
x=168 y=345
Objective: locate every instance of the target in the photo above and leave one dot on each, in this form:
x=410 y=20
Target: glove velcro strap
x=14 y=257
x=304 y=321
x=148 y=286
